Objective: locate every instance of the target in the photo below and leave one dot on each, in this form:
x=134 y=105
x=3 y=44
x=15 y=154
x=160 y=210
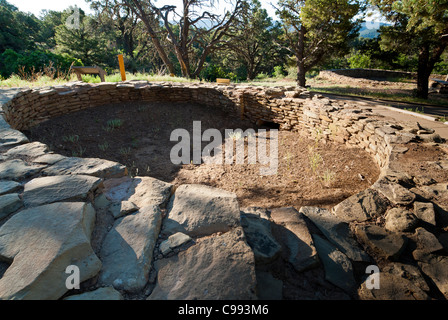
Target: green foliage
x=420 y=26
x=253 y=42
x=262 y=76
x=278 y=72
x=34 y=61
x=318 y=29
x=361 y=61
x=18 y=30
x=213 y=71
x=83 y=42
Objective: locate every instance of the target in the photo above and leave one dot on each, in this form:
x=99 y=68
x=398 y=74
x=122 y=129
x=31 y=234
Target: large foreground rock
x=336 y=231
x=338 y=268
x=361 y=207
x=216 y=268
x=388 y=245
x=141 y=191
x=128 y=249
x=396 y=282
x=41 y=243
x=88 y=166
x=436 y=267
x=199 y=210
x=259 y=237
x=58 y=188
x=297 y=244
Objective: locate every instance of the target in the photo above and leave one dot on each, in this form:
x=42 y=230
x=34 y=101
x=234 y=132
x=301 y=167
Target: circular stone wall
x=399 y=218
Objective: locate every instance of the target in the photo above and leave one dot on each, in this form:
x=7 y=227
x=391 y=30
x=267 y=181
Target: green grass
x=417 y=110
x=72 y=138
x=15 y=82
x=44 y=81
x=116 y=77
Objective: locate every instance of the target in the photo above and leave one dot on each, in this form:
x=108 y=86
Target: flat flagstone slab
x=389 y=245
x=30 y=150
x=292 y=232
x=9 y=203
x=128 y=249
x=87 y=166
x=141 y=191
x=436 y=267
x=49 y=158
x=10 y=137
x=18 y=169
x=58 y=188
x=394 y=192
x=338 y=268
x=396 y=282
x=336 y=231
x=363 y=206
x=200 y=210
x=7 y=186
x=216 y=268
x=40 y=243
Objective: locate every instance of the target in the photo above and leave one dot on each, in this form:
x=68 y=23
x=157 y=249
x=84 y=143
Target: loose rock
x=8 y=186
x=361 y=207
x=425 y=212
x=386 y=244
x=400 y=220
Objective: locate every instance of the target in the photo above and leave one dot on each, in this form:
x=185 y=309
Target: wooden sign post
x=121 y=64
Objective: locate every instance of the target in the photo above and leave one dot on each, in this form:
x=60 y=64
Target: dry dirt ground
x=138 y=135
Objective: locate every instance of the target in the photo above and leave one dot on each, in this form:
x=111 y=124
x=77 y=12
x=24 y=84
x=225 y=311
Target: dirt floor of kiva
x=137 y=134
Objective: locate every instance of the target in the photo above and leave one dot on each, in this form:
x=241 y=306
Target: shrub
x=361 y=61
x=278 y=72
x=32 y=63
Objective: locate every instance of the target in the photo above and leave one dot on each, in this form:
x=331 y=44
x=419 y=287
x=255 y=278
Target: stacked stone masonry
x=84 y=211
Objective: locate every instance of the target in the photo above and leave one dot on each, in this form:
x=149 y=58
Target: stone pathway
x=142 y=238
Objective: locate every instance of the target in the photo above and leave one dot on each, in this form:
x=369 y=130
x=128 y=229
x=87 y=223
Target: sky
x=35 y=6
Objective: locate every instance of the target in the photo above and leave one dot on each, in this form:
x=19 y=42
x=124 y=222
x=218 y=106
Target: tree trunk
x=250 y=71
x=301 y=71
x=155 y=40
x=301 y=80
x=423 y=72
